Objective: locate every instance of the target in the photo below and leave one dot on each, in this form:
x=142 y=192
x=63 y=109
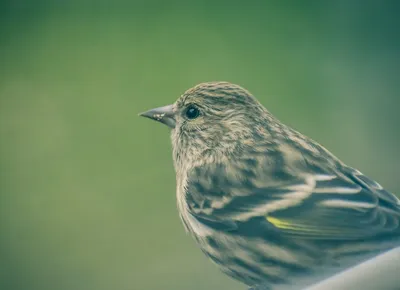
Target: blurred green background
x=87 y=188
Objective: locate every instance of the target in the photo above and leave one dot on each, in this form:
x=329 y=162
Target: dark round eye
x=192 y=112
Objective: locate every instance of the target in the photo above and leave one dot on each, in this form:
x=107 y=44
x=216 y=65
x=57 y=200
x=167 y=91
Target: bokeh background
x=87 y=188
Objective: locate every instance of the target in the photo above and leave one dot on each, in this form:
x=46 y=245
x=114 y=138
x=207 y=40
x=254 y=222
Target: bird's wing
x=341 y=209
x=344 y=206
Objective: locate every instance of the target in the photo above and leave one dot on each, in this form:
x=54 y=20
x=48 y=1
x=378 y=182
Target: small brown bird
x=268 y=205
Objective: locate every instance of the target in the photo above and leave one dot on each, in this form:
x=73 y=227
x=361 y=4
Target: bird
x=269 y=206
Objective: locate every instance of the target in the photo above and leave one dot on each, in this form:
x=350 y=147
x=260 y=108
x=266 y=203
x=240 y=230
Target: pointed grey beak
x=164 y=115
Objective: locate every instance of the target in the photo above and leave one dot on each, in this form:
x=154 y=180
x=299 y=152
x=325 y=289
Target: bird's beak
x=164 y=115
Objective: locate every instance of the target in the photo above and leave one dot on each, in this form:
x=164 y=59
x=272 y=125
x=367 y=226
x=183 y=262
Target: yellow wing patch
x=301 y=228
x=281 y=224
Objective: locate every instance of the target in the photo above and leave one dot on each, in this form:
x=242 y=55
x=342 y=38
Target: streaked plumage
x=265 y=203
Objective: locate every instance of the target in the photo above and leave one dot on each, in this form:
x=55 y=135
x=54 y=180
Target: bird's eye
x=192 y=112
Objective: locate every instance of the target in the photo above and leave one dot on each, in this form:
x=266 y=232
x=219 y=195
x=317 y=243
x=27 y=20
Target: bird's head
x=211 y=120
